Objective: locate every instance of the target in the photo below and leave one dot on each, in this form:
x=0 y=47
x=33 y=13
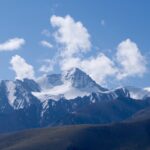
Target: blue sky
x=108 y=22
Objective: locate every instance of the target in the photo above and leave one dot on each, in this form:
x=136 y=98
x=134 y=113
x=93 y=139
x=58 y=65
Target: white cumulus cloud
x=12 y=44
x=72 y=35
x=22 y=68
x=131 y=60
x=99 y=68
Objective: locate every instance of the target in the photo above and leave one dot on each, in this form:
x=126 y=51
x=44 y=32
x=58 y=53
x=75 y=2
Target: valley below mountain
x=128 y=135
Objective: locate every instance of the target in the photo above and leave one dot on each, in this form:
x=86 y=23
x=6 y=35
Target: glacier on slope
x=71 y=84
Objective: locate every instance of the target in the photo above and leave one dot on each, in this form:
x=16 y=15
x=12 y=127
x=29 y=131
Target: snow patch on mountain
x=71 y=84
x=109 y=95
x=11 y=90
x=61 y=91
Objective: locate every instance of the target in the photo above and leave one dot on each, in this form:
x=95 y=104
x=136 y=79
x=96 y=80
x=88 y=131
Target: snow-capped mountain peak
x=70 y=84
x=81 y=80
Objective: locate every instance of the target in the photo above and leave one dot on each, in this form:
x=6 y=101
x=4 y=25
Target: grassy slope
x=123 y=136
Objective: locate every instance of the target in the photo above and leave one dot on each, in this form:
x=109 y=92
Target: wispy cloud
x=46 y=44
x=48 y=66
x=46 y=33
x=12 y=44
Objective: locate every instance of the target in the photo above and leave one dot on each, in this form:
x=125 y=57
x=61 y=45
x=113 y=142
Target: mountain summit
x=82 y=81
x=70 y=84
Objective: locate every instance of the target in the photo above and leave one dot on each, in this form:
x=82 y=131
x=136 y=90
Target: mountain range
x=70 y=98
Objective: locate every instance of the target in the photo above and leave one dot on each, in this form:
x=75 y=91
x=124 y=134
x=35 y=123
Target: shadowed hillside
x=122 y=136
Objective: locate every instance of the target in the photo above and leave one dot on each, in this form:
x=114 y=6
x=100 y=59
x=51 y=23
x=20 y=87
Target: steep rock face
x=81 y=109
x=17 y=94
x=82 y=81
x=54 y=79
x=19 y=109
x=31 y=85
